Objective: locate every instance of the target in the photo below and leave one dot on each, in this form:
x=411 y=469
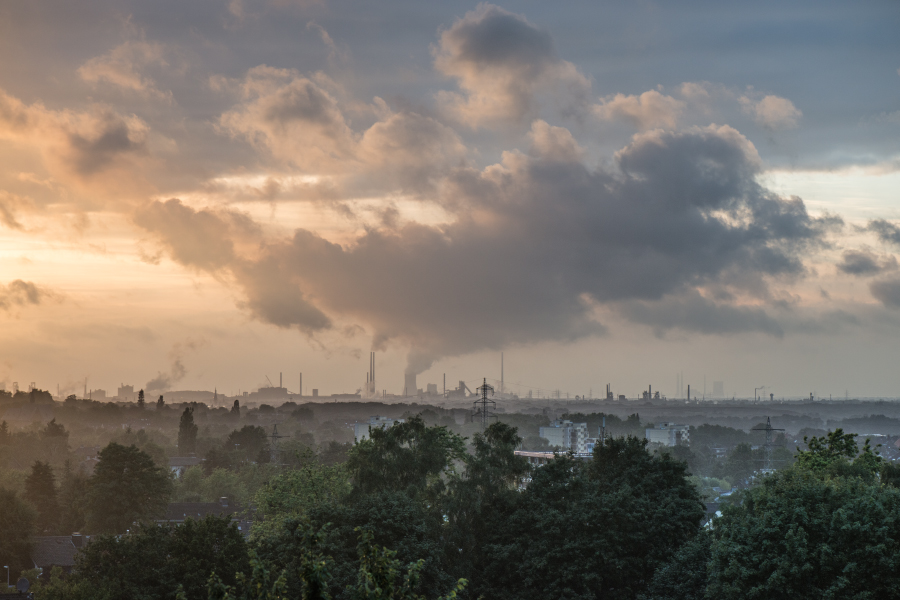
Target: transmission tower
x=274 y=445
x=769 y=443
x=480 y=407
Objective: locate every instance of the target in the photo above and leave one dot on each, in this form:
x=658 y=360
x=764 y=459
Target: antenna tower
x=481 y=407
x=769 y=443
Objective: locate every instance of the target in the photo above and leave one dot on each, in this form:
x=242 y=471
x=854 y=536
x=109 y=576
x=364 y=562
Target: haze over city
x=197 y=196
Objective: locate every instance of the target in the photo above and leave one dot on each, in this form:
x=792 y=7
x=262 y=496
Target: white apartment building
x=361 y=430
x=566 y=435
x=669 y=434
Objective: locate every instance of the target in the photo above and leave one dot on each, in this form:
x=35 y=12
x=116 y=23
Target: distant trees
x=40 y=490
x=826 y=527
x=16 y=528
x=160 y=403
x=187 y=432
x=126 y=487
x=140 y=401
x=236 y=407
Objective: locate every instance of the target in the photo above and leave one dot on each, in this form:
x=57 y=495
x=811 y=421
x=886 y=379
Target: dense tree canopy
x=126 y=487
x=16 y=528
x=187 y=432
x=40 y=490
x=153 y=561
x=596 y=529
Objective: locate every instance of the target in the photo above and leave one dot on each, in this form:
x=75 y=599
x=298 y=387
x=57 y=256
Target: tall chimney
x=689 y=391
x=301 y=384
x=501 y=373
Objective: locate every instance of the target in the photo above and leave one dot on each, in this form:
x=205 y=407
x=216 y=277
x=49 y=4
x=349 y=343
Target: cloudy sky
x=204 y=194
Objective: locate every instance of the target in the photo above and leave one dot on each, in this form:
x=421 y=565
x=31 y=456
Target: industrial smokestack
x=301 y=385
x=501 y=373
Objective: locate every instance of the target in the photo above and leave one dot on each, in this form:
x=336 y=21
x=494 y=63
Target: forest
x=430 y=508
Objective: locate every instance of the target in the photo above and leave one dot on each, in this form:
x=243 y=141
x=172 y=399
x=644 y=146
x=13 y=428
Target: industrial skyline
x=194 y=196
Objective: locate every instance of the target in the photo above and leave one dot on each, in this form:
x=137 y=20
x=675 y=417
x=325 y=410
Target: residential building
x=361 y=430
x=566 y=435
x=669 y=434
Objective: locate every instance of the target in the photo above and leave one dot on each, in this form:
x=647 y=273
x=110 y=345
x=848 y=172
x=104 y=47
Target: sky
x=206 y=195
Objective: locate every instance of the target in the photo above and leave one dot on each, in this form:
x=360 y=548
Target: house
x=179 y=464
x=178 y=512
x=50 y=551
x=361 y=430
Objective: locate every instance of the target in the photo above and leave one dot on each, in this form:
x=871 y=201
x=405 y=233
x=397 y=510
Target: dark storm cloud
x=887 y=291
x=885 y=231
x=693 y=312
x=501 y=61
x=539 y=241
x=864 y=262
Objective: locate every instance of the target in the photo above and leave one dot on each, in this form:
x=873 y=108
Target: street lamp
x=7 y=576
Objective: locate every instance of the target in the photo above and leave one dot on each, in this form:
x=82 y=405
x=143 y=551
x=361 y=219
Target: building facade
x=669 y=434
x=566 y=435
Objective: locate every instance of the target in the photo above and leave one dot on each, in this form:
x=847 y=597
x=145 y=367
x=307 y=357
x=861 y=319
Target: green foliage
x=686 y=576
x=16 y=528
x=805 y=534
x=408 y=454
x=598 y=529
x=298 y=491
x=152 y=560
x=837 y=454
x=380 y=574
x=187 y=432
x=742 y=463
x=126 y=487
x=73 y=498
x=486 y=492
x=249 y=440
x=40 y=490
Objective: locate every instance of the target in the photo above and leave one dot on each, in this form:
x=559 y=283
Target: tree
x=4 y=434
x=249 y=439
x=161 y=403
x=40 y=490
x=482 y=497
x=187 y=432
x=592 y=529
x=236 y=408
x=152 y=560
x=141 y=399
x=73 y=497
x=126 y=487
x=16 y=528
x=837 y=453
x=804 y=533
x=408 y=454
x=685 y=577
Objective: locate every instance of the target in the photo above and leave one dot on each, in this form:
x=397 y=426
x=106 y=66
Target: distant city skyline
x=200 y=196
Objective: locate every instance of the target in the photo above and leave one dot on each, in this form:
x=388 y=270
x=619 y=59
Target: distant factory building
x=125 y=391
x=409 y=385
x=361 y=430
x=669 y=434
x=566 y=435
x=718 y=389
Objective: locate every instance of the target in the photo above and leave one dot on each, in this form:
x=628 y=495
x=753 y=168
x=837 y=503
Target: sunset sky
x=197 y=195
